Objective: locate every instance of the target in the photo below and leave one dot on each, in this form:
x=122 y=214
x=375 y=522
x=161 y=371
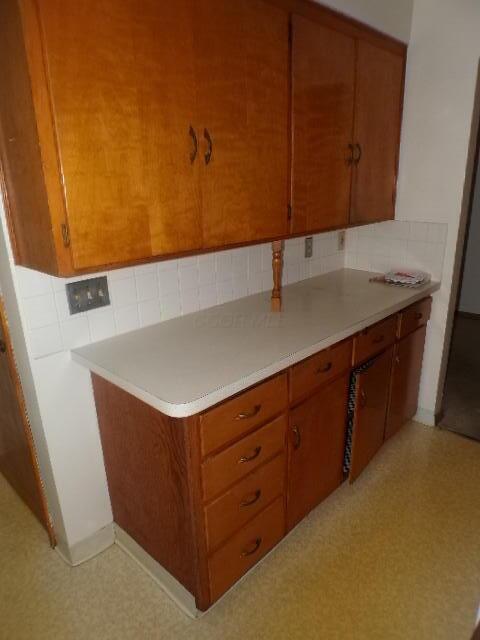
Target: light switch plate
x=85 y=295
x=308 y=247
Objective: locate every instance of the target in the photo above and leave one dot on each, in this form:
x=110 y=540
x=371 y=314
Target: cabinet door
x=242 y=78
x=315 y=449
x=122 y=84
x=370 y=413
x=323 y=78
x=406 y=372
x=378 y=112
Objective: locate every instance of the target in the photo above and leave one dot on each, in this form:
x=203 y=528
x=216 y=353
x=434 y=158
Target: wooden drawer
x=246 y=548
x=231 y=419
x=320 y=368
x=243 y=501
x=414 y=317
x=375 y=339
x=223 y=469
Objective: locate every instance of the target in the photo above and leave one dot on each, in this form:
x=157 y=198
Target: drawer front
x=415 y=317
x=243 y=501
x=320 y=368
x=223 y=469
x=375 y=339
x=233 y=418
x=246 y=548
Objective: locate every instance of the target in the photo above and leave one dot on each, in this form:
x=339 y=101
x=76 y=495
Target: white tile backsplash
x=154 y=292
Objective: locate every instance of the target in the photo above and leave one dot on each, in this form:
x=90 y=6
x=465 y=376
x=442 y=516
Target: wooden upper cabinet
x=121 y=112
x=346 y=112
x=242 y=59
x=378 y=113
x=323 y=89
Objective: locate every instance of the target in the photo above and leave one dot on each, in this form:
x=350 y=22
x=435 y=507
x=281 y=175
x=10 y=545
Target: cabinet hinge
x=65 y=234
x=290 y=32
x=289 y=212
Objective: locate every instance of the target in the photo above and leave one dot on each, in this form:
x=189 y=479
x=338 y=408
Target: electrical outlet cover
x=308 y=247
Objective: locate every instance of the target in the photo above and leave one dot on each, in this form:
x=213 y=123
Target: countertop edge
x=185 y=410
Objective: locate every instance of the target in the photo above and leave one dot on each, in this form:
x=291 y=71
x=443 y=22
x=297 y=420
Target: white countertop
x=185 y=365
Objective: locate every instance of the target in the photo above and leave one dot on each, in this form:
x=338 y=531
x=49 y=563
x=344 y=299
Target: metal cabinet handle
x=252 y=456
x=193 y=153
x=249 y=414
x=249 y=501
x=379 y=339
x=250 y=551
x=397 y=359
x=297 y=437
x=358 y=155
x=325 y=368
x=351 y=158
x=209 y=151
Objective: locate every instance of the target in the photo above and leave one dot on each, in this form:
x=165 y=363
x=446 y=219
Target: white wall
x=390 y=16
x=436 y=150
x=470 y=295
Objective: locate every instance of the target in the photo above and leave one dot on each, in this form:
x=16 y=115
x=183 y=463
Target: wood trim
x=46 y=519
x=44 y=111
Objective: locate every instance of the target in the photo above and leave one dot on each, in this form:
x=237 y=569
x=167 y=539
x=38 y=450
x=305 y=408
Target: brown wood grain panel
x=315 y=449
x=323 y=85
x=405 y=382
x=18 y=458
x=374 y=339
x=246 y=548
x=24 y=190
x=122 y=114
x=223 y=469
x=378 y=114
x=243 y=98
x=308 y=375
x=149 y=478
x=371 y=412
x=244 y=500
x=415 y=317
x=235 y=417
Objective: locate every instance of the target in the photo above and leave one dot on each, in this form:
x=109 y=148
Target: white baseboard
x=425 y=416
x=176 y=591
x=88 y=548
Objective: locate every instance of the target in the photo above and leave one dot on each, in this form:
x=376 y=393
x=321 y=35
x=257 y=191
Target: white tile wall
x=153 y=292
x=397 y=244
x=159 y=291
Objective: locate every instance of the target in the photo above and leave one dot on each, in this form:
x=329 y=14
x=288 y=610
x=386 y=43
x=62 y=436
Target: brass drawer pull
x=249 y=501
x=249 y=414
x=379 y=339
x=250 y=550
x=325 y=368
x=252 y=456
x=297 y=437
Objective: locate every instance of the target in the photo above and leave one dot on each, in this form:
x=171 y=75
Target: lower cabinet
x=316 y=445
x=405 y=383
x=373 y=386
x=209 y=495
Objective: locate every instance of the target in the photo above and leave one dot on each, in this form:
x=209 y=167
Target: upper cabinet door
x=242 y=63
x=323 y=86
x=122 y=85
x=378 y=114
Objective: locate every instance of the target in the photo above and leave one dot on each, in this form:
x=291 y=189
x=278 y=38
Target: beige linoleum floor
x=396 y=556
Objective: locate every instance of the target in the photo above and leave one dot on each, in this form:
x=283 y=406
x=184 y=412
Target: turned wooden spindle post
x=277 y=264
